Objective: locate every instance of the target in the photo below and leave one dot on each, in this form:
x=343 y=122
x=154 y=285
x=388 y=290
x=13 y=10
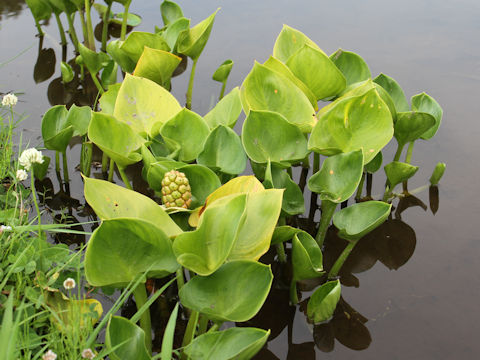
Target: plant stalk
x=72 y=32
x=106 y=16
x=293 y=292
x=97 y=83
x=111 y=170
x=180 y=278
x=61 y=30
x=35 y=202
x=39 y=28
x=328 y=208
x=57 y=161
x=124 y=21
x=408 y=157
x=202 y=324
x=314 y=196
x=90 y=37
x=66 y=178
x=399 y=152
x=282 y=257
x=341 y=260
x=190 y=85
x=124 y=177
x=358 y=196
x=140 y=294
x=190 y=331
x=222 y=92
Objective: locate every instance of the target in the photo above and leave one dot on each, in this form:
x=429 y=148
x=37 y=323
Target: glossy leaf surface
x=226 y=111
x=293 y=202
x=137 y=41
x=290 y=41
x=395 y=91
x=374 y=165
x=121 y=249
x=307 y=259
x=223 y=151
x=265 y=89
x=170 y=12
x=234 y=343
x=357 y=122
x=411 y=125
x=110 y=201
x=268 y=136
x=222 y=72
x=323 y=301
x=143 y=104
x=67 y=72
x=359 y=219
x=352 y=66
x=425 y=103
x=235 y=292
x=92 y=60
x=130 y=337
x=398 y=172
x=338 y=177
x=56 y=131
x=79 y=117
x=437 y=173
x=157 y=65
x=114 y=49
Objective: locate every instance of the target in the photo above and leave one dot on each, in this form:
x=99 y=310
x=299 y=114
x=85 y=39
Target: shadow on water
x=11 y=8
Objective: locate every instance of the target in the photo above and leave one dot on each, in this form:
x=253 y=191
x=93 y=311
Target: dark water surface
x=428 y=307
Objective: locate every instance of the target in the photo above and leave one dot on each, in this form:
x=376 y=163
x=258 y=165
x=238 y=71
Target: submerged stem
x=341 y=260
x=140 y=294
x=190 y=85
x=328 y=208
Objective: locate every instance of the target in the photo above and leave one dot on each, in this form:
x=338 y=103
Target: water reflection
x=11 y=8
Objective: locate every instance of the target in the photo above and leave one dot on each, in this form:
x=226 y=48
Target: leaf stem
x=202 y=324
x=106 y=16
x=90 y=37
x=313 y=195
x=124 y=21
x=293 y=292
x=61 y=30
x=140 y=294
x=57 y=161
x=72 y=32
x=358 y=196
x=180 y=278
x=124 y=177
x=111 y=170
x=282 y=257
x=222 y=91
x=341 y=260
x=97 y=83
x=399 y=152
x=328 y=208
x=190 y=331
x=66 y=178
x=190 y=85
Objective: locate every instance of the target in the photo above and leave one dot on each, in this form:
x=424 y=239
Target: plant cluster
x=300 y=104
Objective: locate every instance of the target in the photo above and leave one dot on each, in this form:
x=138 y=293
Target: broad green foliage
x=411 y=125
x=79 y=117
x=223 y=151
x=205 y=249
x=170 y=12
x=425 y=103
x=114 y=49
x=395 y=91
x=226 y=111
x=137 y=41
x=92 y=60
x=290 y=41
x=121 y=249
x=293 y=202
x=398 y=172
x=339 y=176
x=265 y=89
x=41 y=9
x=268 y=136
x=129 y=338
x=116 y=139
x=325 y=81
x=108 y=99
x=157 y=65
x=323 y=302
x=171 y=33
x=186 y=131
x=437 y=173
x=222 y=72
x=235 y=292
x=143 y=104
x=307 y=259
x=191 y=42
x=56 y=130
x=110 y=201
x=352 y=66
x=357 y=220
x=234 y=343
x=356 y=122
x=374 y=165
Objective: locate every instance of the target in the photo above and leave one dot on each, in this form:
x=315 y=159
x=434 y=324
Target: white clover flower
x=9 y=100
x=49 y=355
x=21 y=175
x=88 y=354
x=5 y=228
x=29 y=157
x=69 y=284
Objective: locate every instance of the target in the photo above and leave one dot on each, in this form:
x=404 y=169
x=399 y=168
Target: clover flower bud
x=69 y=284
x=9 y=100
x=29 y=157
x=49 y=355
x=21 y=175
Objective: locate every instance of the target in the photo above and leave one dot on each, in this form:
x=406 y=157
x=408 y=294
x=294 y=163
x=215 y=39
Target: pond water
x=419 y=297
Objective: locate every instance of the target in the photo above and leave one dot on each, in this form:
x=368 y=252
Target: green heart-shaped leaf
x=293 y=202
x=326 y=81
x=268 y=135
x=137 y=41
x=289 y=41
x=283 y=233
x=110 y=201
x=227 y=110
x=357 y=220
x=79 y=117
x=255 y=232
x=192 y=41
x=425 y=103
x=323 y=301
x=188 y=131
x=235 y=292
x=398 y=172
x=352 y=66
x=307 y=259
x=143 y=104
x=129 y=338
x=114 y=49
x=203 y=182
x=173 y=31
x=41 y=9
x=56 y=131
x=411 y=125
x=356 y=122
x=374 y=165
x=234 y=343
x=157 y=65
x=132 y=19
x=62 y=6
x=223 y=151
x=121 y=249
x=395 y=91
x=265 y=89
x=170 y=12
x=282 y=69
x=108 y=99
x=92 y=60
x=222 y=72
x=206 y=249
x=339 y=177
x=116 y=139
x=109 y=74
